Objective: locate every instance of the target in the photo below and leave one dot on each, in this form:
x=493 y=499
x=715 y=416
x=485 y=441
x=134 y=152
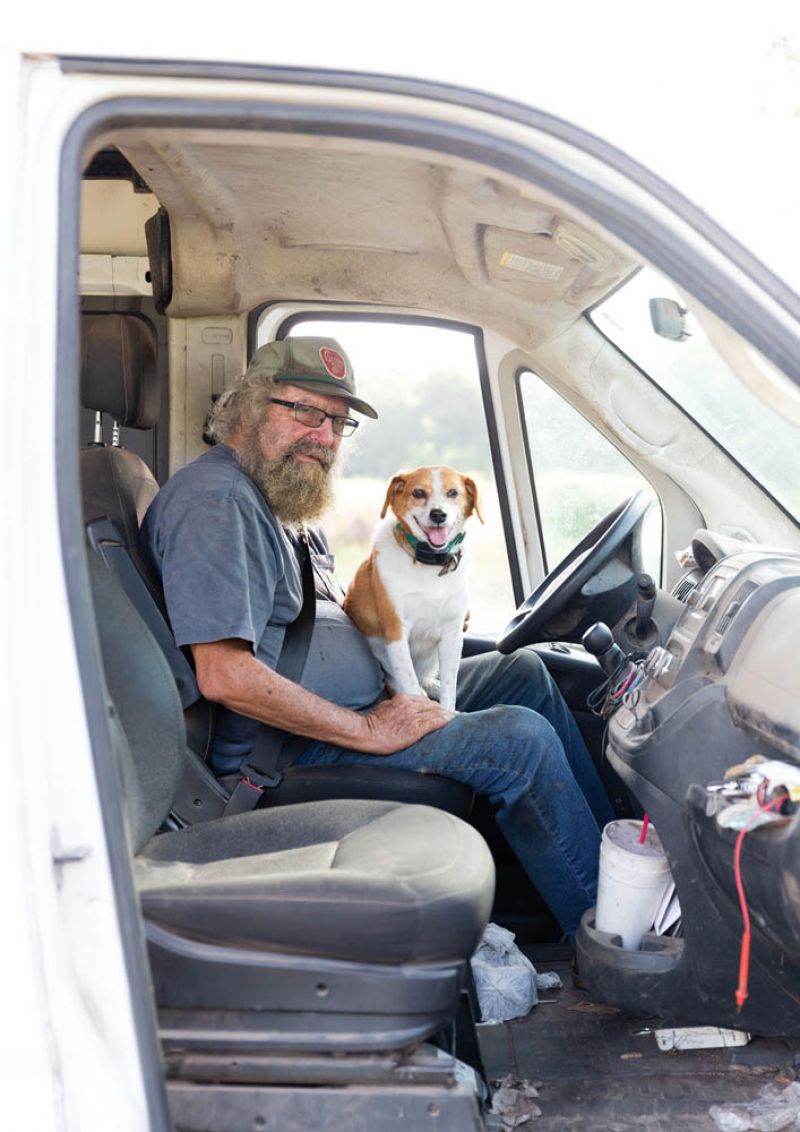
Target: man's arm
x=229 y=674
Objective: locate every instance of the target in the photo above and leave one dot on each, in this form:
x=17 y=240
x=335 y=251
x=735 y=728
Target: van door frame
x=766 y=323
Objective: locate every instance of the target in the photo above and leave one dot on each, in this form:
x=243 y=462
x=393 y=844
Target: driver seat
x=119 y=376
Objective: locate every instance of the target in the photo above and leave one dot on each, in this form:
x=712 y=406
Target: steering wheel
x=598 y=576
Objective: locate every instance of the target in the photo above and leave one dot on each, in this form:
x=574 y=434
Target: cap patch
x=334 y=362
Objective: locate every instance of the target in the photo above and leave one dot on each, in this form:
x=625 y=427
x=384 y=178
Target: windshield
x=760 y=432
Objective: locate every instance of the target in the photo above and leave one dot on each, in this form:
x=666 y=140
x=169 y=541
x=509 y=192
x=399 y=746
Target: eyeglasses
x=312 y=418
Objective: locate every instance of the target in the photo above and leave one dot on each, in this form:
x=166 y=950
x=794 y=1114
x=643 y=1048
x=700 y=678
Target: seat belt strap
x=263 y=767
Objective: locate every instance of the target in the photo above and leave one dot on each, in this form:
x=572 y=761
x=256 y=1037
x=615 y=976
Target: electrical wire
x=620 y=687
x=744 y=950
x=598 y=699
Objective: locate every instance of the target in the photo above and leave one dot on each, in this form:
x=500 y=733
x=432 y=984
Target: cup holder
x=656 y=954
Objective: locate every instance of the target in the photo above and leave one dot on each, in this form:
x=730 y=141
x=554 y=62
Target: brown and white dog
x=409 y=598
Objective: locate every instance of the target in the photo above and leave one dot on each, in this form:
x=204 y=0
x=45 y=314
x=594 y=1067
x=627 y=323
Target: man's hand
x=229 y=674
x=400 y=721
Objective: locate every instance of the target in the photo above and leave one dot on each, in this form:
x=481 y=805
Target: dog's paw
x=432 y=688
x=399 y=689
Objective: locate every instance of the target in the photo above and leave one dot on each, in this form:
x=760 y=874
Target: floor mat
x=596 y=1068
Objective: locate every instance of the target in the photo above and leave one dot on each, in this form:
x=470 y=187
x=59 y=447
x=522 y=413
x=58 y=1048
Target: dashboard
x=726 y=684
x=722 y=688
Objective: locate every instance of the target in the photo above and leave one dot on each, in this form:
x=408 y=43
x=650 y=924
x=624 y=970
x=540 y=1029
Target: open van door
x=318 y=194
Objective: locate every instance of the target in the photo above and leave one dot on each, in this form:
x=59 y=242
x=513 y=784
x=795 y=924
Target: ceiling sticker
x=535 y=267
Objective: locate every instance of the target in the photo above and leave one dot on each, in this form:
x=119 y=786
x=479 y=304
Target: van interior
x=313 y=955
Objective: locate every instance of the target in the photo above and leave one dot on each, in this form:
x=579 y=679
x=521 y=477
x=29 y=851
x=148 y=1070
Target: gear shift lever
x=598 y=641
x=645 y=600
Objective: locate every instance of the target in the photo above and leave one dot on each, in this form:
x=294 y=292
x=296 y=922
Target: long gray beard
x=297 y=492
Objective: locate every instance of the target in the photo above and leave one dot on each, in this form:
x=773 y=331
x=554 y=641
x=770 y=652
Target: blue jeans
x=517 y=743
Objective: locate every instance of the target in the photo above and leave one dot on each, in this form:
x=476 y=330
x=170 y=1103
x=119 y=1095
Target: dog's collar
x=421 y=551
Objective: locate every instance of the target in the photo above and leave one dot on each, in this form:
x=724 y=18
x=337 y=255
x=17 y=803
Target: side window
x=578 y=475
x=424 y=382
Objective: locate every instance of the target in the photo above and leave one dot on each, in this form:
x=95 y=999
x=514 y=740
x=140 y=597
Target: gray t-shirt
x=229 y=571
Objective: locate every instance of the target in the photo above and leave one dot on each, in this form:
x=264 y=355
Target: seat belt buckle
x=248 y=790
x=257 y=779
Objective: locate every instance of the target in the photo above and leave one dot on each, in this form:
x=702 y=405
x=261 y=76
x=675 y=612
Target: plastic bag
x=504 y=992
x=775 y=1108
x=506 y=982
x=548 y=980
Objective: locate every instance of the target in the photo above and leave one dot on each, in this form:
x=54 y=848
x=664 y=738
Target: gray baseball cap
x=312 y=363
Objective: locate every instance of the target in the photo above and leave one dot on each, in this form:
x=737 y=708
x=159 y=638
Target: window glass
x=424 y=382
x=579 y=476
x=760 y=432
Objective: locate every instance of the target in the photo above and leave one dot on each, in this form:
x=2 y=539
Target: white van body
x=71 y=1052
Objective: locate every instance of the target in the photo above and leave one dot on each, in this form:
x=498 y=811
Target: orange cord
x=744 y=953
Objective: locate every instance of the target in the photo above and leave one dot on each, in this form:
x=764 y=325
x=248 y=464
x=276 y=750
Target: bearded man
x=223 y=536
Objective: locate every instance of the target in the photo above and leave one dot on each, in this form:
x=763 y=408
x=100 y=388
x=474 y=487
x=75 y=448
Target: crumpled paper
x=513 y=1101
x=506 y=981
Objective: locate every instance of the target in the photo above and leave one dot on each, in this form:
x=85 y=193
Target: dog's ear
x=471 y=488
x=396 y=485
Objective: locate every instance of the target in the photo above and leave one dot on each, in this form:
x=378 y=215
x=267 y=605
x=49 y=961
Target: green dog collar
x=448 y=557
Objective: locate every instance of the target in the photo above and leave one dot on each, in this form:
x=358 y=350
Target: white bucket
x=634 y=878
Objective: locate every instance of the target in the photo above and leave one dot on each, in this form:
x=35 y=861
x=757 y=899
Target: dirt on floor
x=596 y=1068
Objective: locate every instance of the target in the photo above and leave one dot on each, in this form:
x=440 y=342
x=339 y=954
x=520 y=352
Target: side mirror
x=669 y=319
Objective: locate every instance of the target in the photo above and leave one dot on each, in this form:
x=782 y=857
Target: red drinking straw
x=645 y=826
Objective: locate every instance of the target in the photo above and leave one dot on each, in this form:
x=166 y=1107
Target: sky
x=705 y=94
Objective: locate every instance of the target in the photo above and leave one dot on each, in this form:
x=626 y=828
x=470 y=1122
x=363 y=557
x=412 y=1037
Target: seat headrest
x=119 y=375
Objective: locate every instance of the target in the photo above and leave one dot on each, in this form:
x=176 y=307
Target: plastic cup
x=633 y=880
